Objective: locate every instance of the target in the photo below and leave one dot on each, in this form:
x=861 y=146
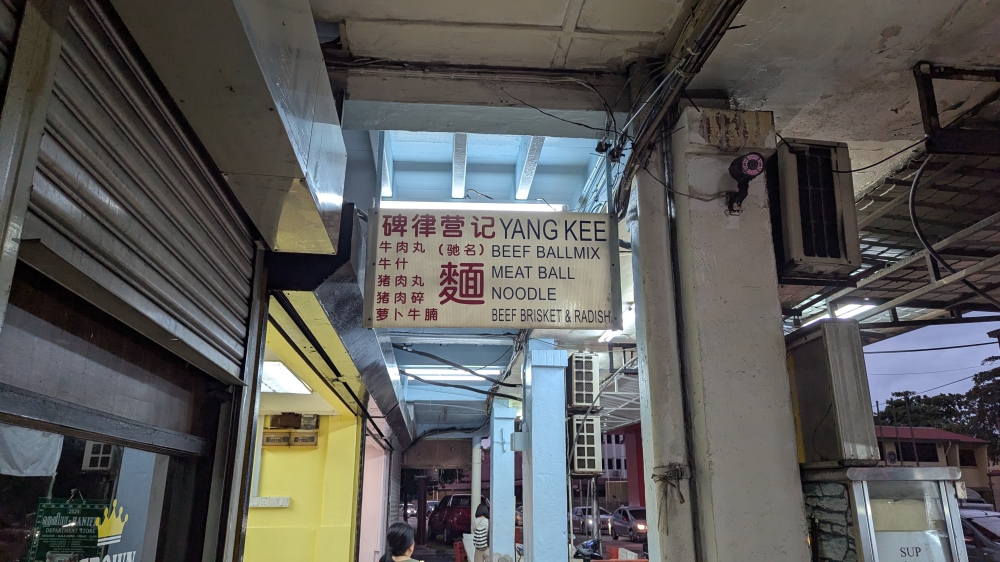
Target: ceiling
x=828 y=71
x=561 y=34
x=841 y=71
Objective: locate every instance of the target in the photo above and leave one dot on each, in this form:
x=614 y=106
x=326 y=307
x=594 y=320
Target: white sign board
x=917 y=546
x=481 y=269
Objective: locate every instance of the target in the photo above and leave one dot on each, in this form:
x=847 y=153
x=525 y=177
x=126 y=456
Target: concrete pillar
x=662 y=406
x=748 y=493
x=544 y=476
x=476 y=480
x=502 y=501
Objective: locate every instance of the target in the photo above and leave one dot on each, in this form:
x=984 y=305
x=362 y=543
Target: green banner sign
x=66 y=530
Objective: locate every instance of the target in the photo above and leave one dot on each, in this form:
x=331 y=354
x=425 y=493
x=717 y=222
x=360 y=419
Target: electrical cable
x=720 y=195
x=543 y=112
x=444 y=361
x=931 y=348
x=461 y=386
x=441 y=430
x=947 y=384
x=697 y=48
x=924 y=372
x=886 y=159
x=923 y=239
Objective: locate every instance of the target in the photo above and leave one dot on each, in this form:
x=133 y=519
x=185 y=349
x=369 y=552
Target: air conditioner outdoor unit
x=818 y=231
x=585 y=433
x=584 y=382
x=830 y=396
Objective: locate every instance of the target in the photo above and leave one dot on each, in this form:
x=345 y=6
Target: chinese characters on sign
x=456 y=269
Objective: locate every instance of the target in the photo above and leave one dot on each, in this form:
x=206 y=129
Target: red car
x=452 y=517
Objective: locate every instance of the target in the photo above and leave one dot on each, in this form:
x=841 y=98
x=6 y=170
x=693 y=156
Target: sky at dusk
x=922 y=371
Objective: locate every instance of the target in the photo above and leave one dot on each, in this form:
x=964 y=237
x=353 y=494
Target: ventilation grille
x=818 y=203
x=584 y=381
x=813 y=218
x=587 y=444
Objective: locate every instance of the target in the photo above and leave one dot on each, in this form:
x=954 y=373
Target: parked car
x=519 y=516
x=431 y=504
x=411 y=510
x=583 y=521
x=452 y=517
x=982 y=534
x=630 y=522
x=975 y=501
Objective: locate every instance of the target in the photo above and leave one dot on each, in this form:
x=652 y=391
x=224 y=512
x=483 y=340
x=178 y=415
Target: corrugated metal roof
x=924 y=434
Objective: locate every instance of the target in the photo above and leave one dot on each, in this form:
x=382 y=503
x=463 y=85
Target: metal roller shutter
x=10 y=18
x=124 y=196
x=395 y=482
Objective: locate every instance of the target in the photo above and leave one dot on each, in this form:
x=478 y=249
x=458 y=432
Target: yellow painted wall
x=322 y=482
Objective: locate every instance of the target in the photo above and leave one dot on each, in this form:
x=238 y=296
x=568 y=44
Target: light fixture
x=609 y=335
x=628 y=319
x=437 y=374
x=470 y=206
x=846 y=311
x=421 y=371
x=278 y=378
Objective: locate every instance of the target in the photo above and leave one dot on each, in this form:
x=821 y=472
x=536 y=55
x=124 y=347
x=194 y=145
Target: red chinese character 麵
x=463 y=283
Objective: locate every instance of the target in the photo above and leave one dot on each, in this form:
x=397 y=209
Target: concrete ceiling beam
x=459 y=164
x=527 y=163
x=382 y=153
x=491 y=102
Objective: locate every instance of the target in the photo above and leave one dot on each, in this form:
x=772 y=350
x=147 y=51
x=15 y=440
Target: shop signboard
x=68 y=530
x=486 y=269
x=918 y=546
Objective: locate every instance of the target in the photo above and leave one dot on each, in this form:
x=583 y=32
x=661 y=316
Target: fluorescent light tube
x=278 y=378
x=469 y=206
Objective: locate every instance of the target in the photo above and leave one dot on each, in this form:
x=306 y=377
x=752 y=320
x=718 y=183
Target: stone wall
x=828 y=508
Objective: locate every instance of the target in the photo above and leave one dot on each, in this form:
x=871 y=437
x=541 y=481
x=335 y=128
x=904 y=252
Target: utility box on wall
x=830 y=396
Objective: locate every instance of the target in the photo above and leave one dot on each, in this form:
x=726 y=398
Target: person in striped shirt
x=481 y=533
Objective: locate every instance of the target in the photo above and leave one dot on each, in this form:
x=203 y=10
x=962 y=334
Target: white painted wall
x=374 y=502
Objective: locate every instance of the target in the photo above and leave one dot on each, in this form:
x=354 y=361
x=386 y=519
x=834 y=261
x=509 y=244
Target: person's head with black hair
x=483 y=511
x=399 y=541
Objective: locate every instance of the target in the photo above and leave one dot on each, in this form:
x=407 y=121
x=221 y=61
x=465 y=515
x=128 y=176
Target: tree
x=975 y=413
x=949 y=412
x=984 y=407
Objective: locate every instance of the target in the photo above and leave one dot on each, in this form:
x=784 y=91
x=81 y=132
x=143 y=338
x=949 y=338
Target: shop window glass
x=64 y=499
x=909 y=515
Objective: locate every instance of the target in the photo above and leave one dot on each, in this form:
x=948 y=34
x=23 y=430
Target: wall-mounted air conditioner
x=584 y=382
x=812 y=205
x=585 y=433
